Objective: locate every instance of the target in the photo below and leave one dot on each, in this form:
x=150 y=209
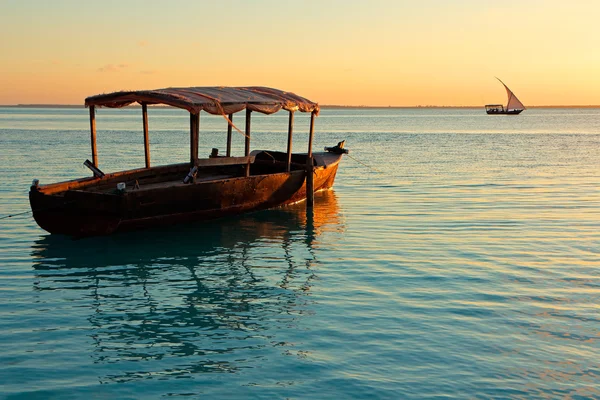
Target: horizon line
x=50 y=105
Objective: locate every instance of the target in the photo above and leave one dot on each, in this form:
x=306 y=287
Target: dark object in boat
x=513 y=106
x=338 y=149
x=95 y=170
x=202 y=189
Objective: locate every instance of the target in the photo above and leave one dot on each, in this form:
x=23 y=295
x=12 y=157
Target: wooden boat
x=202 y=189
x=513 y=106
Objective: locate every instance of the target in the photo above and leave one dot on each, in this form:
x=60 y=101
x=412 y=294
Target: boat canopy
x=218 y=100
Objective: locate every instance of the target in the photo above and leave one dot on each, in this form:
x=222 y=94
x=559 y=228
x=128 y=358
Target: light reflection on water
x=198 y=299
x=466 y=268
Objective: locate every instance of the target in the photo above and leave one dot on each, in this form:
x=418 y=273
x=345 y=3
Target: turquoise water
x=463 y=264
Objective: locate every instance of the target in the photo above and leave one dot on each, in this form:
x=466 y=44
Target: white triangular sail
x=513 y=102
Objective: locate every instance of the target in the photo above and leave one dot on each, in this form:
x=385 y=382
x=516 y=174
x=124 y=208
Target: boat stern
x=59 y=213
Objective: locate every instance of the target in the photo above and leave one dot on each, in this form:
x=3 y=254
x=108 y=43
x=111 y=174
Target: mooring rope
x=14 y=215
x=368 y=166
x=37 y=209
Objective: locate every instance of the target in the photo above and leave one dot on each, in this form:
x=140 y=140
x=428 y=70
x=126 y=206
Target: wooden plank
x=211 y=162
x=247 y=141
x=228 y=153
x=146 y=137
x=93 y=133
x=130 y=174
x=289 y=143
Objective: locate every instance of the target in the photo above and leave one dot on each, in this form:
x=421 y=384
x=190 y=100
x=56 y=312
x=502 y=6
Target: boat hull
x=82 y=213
x=510 y=112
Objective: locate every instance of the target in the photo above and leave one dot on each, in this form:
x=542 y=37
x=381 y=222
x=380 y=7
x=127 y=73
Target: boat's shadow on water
x=217 y=294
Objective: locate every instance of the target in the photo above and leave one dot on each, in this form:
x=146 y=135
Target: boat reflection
x=199 y=298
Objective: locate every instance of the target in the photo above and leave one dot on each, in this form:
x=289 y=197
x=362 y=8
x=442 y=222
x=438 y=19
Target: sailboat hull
x=504 y=112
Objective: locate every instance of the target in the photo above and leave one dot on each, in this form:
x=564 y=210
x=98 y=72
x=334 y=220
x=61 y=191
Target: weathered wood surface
x=247 y=139
x=93 y=136
x=224 y=161
x=229 y=127
x=289 y=141
x=113 y=177
x=194 y=137
x=311 y=134
x=88 y=212
x=143 y=173
x=146 y=136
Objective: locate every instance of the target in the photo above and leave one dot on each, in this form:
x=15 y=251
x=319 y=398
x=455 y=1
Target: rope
x=233 y=126
x=38 y=209
x=14 y=215
x=362 y=163
x=270 y=155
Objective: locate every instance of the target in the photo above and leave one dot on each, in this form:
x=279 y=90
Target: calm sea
x=458 y=256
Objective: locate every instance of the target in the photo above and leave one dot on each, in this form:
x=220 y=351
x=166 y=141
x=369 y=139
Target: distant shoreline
x=328 y=106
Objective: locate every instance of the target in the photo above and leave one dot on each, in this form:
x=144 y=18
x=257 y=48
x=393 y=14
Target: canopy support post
x=93 y=134
x=311 y=133
x=194 y=133
x=310 y=184
x=229 y=135
x=247 y=141
x=288 y=165
x=146 y=137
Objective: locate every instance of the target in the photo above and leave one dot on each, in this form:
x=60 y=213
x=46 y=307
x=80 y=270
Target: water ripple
x=467 y=269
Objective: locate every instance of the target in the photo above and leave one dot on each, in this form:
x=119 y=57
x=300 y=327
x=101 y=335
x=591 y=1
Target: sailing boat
x=513 y=107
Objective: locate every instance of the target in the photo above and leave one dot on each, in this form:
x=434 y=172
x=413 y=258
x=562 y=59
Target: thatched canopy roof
x=220 y=100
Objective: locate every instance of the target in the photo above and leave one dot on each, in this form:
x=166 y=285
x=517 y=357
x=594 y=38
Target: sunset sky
x=376 y=52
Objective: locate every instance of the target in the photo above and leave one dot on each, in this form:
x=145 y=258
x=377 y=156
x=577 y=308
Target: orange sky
x=399 y=53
